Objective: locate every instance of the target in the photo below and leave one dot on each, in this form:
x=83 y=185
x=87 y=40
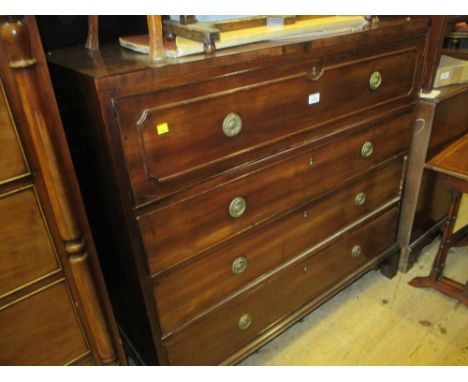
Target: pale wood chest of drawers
x=240 y=191
x=54 y=307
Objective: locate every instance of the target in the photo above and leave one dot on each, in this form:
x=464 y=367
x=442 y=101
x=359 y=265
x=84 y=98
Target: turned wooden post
x=439 y=261
x=156 y=42
x=14 y=34
x=92 y=42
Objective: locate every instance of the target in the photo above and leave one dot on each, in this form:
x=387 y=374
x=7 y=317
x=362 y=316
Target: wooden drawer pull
x=367 y=149
x=375 y=80
x=359 y=199
x=232 y=125
x=245 y=321
x=237 y=207
x=239 y=265
x=356 y=251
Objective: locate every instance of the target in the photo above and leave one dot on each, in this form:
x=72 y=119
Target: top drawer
x=12 y=162
x=178 y=136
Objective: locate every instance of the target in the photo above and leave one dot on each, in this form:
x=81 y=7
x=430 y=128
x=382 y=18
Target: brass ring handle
x=375 y=80
x=367 y=149
x=237 y=207
x=232 y=125
x=359 y=199
x=245 y=321
x=239 y=265
x=356 y=251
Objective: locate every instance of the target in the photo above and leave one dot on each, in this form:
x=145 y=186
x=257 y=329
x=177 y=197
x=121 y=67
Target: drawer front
x=26 y=249
x=229 y=209
x=42 y=329
x=236 y=323
x=189 y=290
x=186 y=134
x=12 y=162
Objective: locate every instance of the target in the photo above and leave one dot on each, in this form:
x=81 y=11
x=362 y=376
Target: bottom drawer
x=42 y=329
x=229 y=328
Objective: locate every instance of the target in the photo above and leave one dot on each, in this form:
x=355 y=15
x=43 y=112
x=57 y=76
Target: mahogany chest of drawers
x=237 y=192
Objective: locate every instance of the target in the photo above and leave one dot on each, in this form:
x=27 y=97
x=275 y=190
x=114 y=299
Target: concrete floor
x=377 y=321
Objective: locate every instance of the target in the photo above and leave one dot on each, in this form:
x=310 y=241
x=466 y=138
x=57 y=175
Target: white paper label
x=314 y=98
x=444 y=75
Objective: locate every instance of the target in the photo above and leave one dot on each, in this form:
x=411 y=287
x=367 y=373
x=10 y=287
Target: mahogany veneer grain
x=162 y=196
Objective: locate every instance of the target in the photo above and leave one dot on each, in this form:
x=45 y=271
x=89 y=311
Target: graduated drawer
x=12 y=161
x=261 y=309
x=41 y=329
x=27 y=253
x=174 y=234
x=185 y=134
x=191 y=289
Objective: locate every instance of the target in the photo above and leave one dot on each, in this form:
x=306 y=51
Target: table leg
x=439 y=261
x=435 y=279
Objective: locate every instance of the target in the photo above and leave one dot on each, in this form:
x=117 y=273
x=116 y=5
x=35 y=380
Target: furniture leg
x=435 y=279
x=156 y=42
x=92 y=41
x=439 y=261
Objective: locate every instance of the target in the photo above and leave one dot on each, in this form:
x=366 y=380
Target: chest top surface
x=112 y=65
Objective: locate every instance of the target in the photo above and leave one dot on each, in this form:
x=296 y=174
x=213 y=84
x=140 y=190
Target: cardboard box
x=451 y=71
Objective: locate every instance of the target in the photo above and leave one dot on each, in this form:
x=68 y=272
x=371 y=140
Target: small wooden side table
x=452 y=164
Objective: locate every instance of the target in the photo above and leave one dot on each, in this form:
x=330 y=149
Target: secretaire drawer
x=170 y=236
x=185 y=292
x=177 y=136
x=247 y=316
